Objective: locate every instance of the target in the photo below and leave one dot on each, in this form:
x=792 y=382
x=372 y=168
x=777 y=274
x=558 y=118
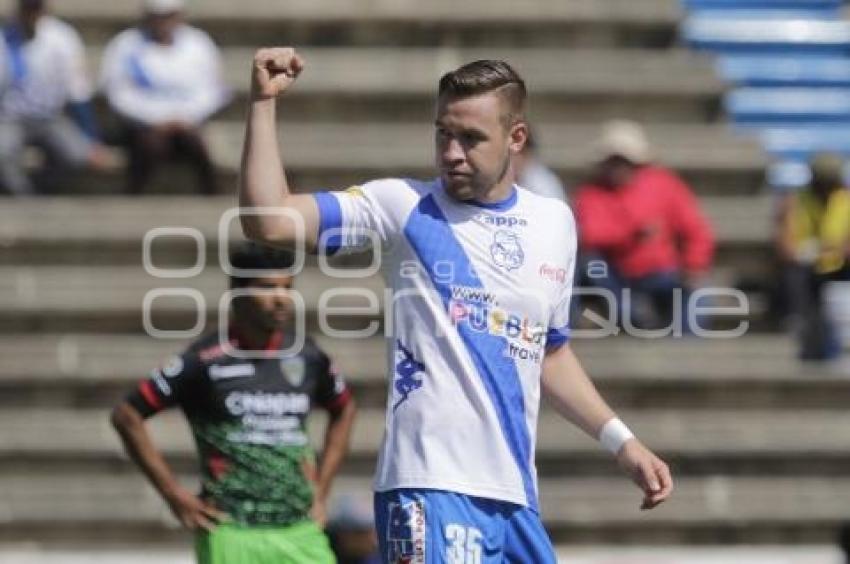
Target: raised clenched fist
x=274 y=71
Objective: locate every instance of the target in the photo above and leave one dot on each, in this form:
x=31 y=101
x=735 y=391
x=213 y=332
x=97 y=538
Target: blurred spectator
x=536 y=176
x=42 y=70
x=640 y=228
x=352 y=531
x=844 y=541
x=813 y=239
x=163 y=79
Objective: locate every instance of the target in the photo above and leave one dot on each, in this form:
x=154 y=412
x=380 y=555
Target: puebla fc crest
x=294 y=370
x=506 y=250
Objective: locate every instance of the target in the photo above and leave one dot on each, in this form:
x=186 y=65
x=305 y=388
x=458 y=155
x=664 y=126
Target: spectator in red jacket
x=640 y=227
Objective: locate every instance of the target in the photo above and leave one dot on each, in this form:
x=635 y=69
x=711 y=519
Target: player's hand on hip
x=275 y=69
x=319 y=512
x=193 y=512
x=649 y=472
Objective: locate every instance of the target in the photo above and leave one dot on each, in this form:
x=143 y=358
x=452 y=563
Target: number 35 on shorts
x=463 y=544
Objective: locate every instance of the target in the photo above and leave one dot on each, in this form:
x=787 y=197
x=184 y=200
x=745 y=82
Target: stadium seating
x=740 y=419
x=779 y=106
x=784 y=70
x=766 y=4
x=777 y=33
x=789 y=64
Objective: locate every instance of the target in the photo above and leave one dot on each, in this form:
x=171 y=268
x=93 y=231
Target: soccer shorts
x=436 y=527
x=301 y=543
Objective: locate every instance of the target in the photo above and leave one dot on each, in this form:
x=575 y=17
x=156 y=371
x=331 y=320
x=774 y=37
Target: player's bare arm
x=262 y=180
x=574 y=396
x=192 y=512
x=336 y=445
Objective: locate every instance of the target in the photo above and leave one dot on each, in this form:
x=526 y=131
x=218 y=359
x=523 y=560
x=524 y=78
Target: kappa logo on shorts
x=406 y=529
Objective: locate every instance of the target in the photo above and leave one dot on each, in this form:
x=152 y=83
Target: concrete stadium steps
x=583 y=85
x=408 y=146
x=757 y=372
x=108 y=298
x=110 y=230
x=742 y=442
x=44 y=507
x=710 y=157
x=112 y=299
x=406 y=22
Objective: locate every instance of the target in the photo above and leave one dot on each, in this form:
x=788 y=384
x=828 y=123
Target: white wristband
x=614 y=434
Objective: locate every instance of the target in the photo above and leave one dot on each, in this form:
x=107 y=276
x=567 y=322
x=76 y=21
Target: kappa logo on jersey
x=509 y=221
x=506 y=250
x=406 y=533
x=406 y=368
x=294 y=370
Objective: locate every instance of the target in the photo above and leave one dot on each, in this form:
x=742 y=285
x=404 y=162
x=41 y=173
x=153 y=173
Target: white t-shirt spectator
x=38 y=77
x=151 y=83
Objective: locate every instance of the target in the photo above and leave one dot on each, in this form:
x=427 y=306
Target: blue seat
x=767 y=35
x=788 y=105
x=745 y=13
x=788 y=175
x=767 y=4
x=801 y=143
x=776 y=70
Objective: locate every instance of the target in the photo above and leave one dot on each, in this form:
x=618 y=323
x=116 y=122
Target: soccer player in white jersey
x=481 y=273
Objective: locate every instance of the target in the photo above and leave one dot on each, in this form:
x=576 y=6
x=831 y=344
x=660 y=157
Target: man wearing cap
x=640 y=226
x=42 y=72
x=163 y=79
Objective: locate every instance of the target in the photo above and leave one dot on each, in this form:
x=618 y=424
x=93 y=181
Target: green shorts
x=301 y=543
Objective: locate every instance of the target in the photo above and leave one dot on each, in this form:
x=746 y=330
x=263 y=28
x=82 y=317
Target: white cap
x=625 y=139
x=163 y=6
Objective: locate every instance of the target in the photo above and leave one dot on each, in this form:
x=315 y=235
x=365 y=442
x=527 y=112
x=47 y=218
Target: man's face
x=29 y=12
x=614 y=172
x=270 y=307
x=473 y=146
x=162 y=26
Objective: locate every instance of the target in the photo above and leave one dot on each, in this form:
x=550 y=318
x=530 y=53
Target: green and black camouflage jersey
x=248 y=417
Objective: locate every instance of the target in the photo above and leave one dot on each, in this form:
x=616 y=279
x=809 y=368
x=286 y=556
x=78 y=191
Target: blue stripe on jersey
x=138 y=74
x=502 y=205
x=15 y=46
x=330 y=217
x=557 y=337
x=433 y=240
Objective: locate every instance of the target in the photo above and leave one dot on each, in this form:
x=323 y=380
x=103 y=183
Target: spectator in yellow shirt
x=813 y=240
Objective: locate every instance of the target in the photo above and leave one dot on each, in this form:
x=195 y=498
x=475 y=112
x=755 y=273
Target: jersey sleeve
x=167 y=386
x=361 y=217
x=559 y=320
x=332 y=391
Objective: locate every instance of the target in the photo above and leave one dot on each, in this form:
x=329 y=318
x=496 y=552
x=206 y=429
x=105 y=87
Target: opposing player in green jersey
x=263 y=495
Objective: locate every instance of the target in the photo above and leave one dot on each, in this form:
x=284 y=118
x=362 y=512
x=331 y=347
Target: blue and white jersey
x=479 y=292
x=38 y=76
x=153 y=83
